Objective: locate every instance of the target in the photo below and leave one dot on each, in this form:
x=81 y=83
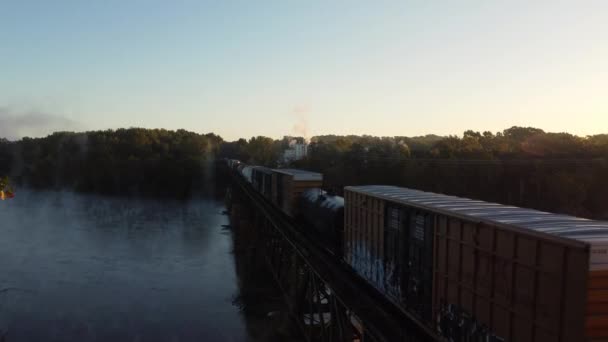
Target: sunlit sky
x=245 y=68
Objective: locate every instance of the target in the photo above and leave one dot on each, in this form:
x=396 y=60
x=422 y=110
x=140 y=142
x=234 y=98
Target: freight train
x=469 y=269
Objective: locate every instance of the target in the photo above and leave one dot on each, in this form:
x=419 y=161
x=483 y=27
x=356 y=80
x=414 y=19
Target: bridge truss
x=325 y=299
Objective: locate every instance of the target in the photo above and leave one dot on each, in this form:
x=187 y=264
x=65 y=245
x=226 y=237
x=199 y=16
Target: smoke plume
x=14 y=125
x=300 y=128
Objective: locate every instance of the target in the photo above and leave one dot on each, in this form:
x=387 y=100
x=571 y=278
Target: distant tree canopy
x=523 y=166
x=124 y=161
x=512 y=143
x=258 y=150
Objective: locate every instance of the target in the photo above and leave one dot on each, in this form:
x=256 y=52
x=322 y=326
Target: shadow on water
x=259 y=298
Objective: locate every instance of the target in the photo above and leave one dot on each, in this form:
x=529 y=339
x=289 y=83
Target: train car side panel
x=465 y=270
x=390 y=246
x=495 y=283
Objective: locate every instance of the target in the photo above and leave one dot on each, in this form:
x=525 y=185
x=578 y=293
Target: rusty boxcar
x=474 y=270
x=288 y=184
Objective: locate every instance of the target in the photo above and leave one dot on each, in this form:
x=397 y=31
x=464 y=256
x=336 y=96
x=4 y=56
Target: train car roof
x=581 y=229
x=263 y=169
x=301 y=175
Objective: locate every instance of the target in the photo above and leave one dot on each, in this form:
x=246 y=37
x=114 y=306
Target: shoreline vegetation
x=136 y=161
x=6 y=191
x=524 y=166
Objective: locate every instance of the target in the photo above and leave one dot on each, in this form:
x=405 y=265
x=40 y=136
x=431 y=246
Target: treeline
x=522 y=166
x=135 y=161
x=258 y=150
x=528 y=167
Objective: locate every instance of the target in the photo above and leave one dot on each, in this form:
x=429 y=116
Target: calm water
x=87 y=268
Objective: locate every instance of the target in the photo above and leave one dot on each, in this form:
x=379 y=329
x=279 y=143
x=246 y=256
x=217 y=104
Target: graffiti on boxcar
x=458 y=325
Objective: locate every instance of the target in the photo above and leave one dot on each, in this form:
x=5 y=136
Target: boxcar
x=262 y=180
x=474 y=270
x=289 y=184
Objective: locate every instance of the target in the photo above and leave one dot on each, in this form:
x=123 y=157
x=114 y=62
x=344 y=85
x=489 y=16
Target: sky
x=273 y=68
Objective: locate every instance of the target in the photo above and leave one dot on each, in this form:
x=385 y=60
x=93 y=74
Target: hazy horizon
x=242 y=69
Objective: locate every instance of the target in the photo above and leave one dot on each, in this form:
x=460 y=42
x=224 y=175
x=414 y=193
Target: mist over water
x=88 y=268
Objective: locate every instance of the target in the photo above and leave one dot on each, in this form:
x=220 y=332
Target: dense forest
x=135 y=161
x=522 y=166
x=528 y=167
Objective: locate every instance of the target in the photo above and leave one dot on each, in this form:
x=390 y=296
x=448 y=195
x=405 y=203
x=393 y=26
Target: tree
x=135 y=161
x=263 y=151
x=522 y=166
x=520 y=134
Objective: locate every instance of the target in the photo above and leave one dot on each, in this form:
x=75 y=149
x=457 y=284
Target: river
x=87 y=268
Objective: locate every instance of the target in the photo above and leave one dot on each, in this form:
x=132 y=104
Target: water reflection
x=87 y=268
